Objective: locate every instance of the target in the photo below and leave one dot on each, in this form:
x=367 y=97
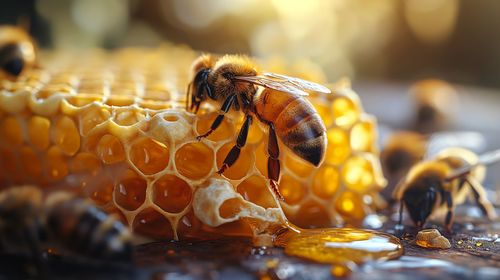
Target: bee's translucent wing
x=278 y=85
x=484 y=159
x=299 y=83
x=465 y=139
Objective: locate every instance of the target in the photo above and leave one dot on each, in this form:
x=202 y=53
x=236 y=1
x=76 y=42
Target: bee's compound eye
x=14 y=66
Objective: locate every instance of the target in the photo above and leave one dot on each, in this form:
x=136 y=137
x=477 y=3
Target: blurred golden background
x=369 y=40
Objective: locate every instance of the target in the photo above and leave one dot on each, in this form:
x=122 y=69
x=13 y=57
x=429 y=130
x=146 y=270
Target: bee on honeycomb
x=111 y=126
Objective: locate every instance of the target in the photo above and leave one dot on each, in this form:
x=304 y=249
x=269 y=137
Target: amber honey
x=341 y=247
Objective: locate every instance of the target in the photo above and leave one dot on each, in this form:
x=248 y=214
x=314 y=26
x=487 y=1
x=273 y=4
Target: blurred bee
x=404 y=149
x=232 y=80
x=401 y=151
x=437 y=185
x=17 y=52
x=61 y=221
x=435 y=103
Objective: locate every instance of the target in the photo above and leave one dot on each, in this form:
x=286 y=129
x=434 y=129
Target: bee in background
x=66 y=222
x=232 y=81
x=18 y=52
x=437 y=185
x=402 y=150
x=435 y=103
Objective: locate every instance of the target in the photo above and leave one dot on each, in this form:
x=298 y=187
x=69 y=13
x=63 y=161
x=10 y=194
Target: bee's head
x=396 y=160
x=17 y=52
x=202 y=63
x=420 y=199
x=226 y=69
x=199 y=88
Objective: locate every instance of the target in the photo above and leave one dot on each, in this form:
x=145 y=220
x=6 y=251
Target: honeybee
x=61 y=221
x=232 y=81
x=17 y=52
x=403 y=149
x=435 y=102
x=437 y=185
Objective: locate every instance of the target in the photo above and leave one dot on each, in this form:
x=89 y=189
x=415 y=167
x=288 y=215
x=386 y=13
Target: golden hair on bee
x=233 y=82
x=237 y=64
x=204 y=61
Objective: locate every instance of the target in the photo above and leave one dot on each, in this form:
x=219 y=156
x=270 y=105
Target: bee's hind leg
x=233 y=155
x=481 y=198
x=449 y=214
x=218 y=120
x=273 y=162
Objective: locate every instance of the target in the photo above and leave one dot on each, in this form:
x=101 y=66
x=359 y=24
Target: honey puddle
x=341 y=247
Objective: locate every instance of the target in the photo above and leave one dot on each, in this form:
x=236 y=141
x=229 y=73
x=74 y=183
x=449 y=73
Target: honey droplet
x=342 y=246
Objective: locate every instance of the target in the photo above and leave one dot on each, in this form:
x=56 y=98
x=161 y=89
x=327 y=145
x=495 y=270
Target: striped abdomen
x=297 y=123
x=83 y=228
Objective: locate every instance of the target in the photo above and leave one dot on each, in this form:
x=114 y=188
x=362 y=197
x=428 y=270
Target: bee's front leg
x=218 y=120
x=233 y=155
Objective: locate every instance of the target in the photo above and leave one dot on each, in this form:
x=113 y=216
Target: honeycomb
x=112 y=126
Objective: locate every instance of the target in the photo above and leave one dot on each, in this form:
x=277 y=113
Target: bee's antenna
x=188 y=96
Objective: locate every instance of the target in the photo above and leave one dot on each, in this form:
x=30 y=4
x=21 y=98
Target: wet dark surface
x=475 y=254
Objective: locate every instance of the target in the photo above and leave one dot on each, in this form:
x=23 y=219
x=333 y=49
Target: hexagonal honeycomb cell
x=123 y=139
